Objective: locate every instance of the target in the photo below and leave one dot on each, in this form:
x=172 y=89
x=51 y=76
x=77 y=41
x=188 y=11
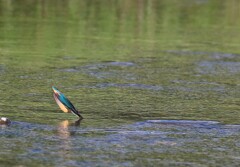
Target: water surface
x=146 y=143
x=123 y=64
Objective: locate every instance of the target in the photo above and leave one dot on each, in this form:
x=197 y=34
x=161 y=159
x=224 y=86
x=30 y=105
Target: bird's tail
x=77 y=113
x=80 y=117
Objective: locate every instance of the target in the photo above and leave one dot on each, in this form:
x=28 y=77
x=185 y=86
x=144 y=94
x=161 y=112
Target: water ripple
x=66 y=144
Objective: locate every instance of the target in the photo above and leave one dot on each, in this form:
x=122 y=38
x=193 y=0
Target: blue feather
x=62 y=98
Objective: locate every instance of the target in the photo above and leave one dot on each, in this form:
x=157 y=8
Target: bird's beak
x=55 y=92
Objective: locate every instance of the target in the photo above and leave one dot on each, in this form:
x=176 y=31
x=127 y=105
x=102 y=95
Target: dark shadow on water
x=77 y=123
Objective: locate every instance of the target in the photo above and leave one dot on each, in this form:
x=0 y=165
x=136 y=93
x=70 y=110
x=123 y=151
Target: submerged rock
x=218 y=67
x=4 y=121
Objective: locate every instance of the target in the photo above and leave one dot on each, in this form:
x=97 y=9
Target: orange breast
x=61 y=106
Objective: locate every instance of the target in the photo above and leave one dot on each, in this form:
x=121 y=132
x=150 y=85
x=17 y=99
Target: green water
x=120 y=62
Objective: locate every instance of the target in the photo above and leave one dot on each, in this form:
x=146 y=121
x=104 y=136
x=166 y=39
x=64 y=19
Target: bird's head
x=55 y=90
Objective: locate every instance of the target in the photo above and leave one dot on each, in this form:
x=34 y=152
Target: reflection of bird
x=63 y=102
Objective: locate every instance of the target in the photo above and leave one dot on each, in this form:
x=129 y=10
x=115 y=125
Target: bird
x=65 y=104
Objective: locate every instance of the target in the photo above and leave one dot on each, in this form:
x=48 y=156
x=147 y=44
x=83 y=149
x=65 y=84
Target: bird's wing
x=69 y=105
x=66 y=102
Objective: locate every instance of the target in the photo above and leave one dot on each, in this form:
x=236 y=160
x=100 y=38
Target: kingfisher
x=63 y=102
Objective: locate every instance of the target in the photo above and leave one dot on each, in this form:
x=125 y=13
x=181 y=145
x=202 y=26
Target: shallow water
x=137 y=70
x=151 y=142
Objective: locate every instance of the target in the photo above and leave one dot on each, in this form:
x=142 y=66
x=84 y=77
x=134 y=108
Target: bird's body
x=63 y=102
